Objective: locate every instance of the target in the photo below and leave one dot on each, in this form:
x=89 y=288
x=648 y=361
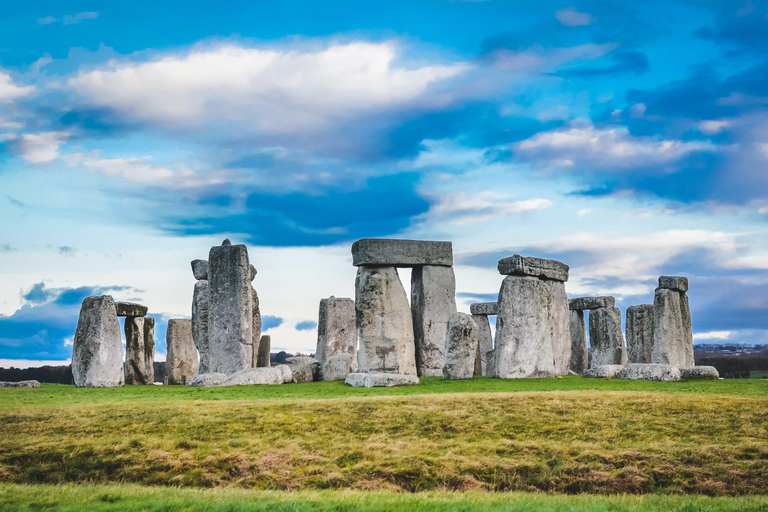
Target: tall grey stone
x=401 y=253
x=490 y=358
x=605 y=337
x=230 y=313
x=433 y=301
x=256 y=327
x=384 y=323
x=484 y=339
x=639 y=329
x=265 y=347
x=336 y=330
x=181 y=360
x=200 y=315
x=672 y=331
x=460 y=347
x=139 y=350
x=579 y=355
x=97 y=351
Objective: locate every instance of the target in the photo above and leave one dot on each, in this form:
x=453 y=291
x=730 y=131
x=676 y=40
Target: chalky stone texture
x=253 y=272
x=484 y=340
x=401 y=253
x=181 y=361
x=139 y=350
x=256 y=330
x=579 y=355
x=674 y=283
x=130 y=309
x=208 y=379
x=484 y=308
x=490 y=367
x=433 y=301
x=608 y=371
x=460 y=347
x=605 y=337
x=280 y=374
x=672 y=332
x=338 y=366
x=380 y=380
x=532 y=335
x=517 y=265
x=700 y=372
x=20 y=384
x=384 y=323
x=265 y=347
x=200 y=269
x=200 y=315
x=336 y=330
x=649 y=371
x=230 y=313
x=640 y=333
x=301 y=372
x=97 y=352
x=313 y=363
x=581 y=303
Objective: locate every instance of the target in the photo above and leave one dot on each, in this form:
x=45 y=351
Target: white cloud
x=570 y=17
x=71 y=19
x=711 y=127
x=40 y=148
x=47 y=20
x=637 y=110
x=712 y=335
x=137 y=170
x=277 y=91
x=545 y=59
x=9 y=91
x=462 y=208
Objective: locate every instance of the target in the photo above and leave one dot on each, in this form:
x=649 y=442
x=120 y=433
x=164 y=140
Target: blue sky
x=628 y=141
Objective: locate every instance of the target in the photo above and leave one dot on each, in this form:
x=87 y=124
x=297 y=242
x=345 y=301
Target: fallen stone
x=401 y=253
x=313 y=363
x=181 y=360
x=338 y=366
x=674 y=283
x=301 y=372
x=207 y=379
x=608 y=371
x=265 y=347
x=579 y=354
x=484 y=340
x=336 y=330
x=672 y=332
x=200 y=314
x=280 y=374
x=200 y=269
x=581 y=303
x=380 y=380
x=649 y=371
x=20 y=384
x=605 y=337
x=433 y=301
x=639 y=330
x=517 y=265
x=700 y=372
x=130 y=309
x=97 y=351
x=460 y=347
x=484 y=308
x=139 y=350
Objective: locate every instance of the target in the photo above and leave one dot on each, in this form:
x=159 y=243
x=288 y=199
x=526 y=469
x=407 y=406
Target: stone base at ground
x=650 y=371
x=606 y=371
x=311 y=361
x=20 y=384
x=301 y=373
x=338 y=366
x=280 y=374
x=700 y=372
x=208 y=379
x=380 y=380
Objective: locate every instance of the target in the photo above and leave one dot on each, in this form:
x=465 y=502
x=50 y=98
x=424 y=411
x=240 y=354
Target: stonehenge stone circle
x=200 y=305
x=265 y=347
x=649 y=371
x=582 y=303
x=97 y=352
x=484 y=308
x=639 y=329
x=130 y=309
x=230 y=309
x=379 y=380
x=484 y=340
x=608 y=371
x=139 y=350
x=579 y=355
x=338 y=366
x=461 y=346
x=433 y=301
x=672 y=331
x=401 y=253
x=336 y=330
x=606 y=338
x=699 y=372
x=517 y=265
x=181 y=360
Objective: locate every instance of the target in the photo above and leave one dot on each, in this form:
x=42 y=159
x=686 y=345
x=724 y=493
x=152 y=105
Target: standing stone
x=200 y=315
x=230 y=313
x=672 y=332
x=484 y=339
x=490 y=357
x=97 y=351
x=384 y=323
x=181 y=361
x=639 y=333
x=579 y=355
x=433 y=301
x=336 y=330
x=256 y=327
x=558 y=319
x=606 y=338
x=139 y=350
x=460 y=347
x=265 y=346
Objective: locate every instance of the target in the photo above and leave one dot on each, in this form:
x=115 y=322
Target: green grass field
x=577 y=440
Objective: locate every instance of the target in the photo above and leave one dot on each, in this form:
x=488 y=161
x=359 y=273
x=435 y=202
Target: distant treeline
x=734 y=366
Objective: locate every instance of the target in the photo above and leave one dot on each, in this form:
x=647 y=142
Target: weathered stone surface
x=256 y=330
x=605 y=337
x=338 y=366
x=301 y=373
x=384 y=323
x=336 y=330
x=639 y=330
x=579 y=355
x=20 y=384
x=279 y=374
x=265 y=347
x=460 y=347
x=200 y=304
x=484 y=340
x=490 y=366
x=608 y=371
x=97 y=352
x=230 y=313
x=401 y=253
x=532 y=334
x=252 y=272
x=581 y=303
x=517 y=265
x=672 y=332
x=380 y=380
x=313 y=363
x=139 y=350
x=130 y=309
x=433 y=301
x=200 y=269
x=207 y=379
x=678 y=283
x=700 y=372
x=181 y=360
x=649 y=371
x=484 y=308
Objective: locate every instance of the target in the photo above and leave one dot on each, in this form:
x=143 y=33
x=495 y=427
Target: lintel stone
x=582 y=303
x=674 y=283
x=484 y=308
x=130 y=309
x=517 y=265
x=401 y=253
